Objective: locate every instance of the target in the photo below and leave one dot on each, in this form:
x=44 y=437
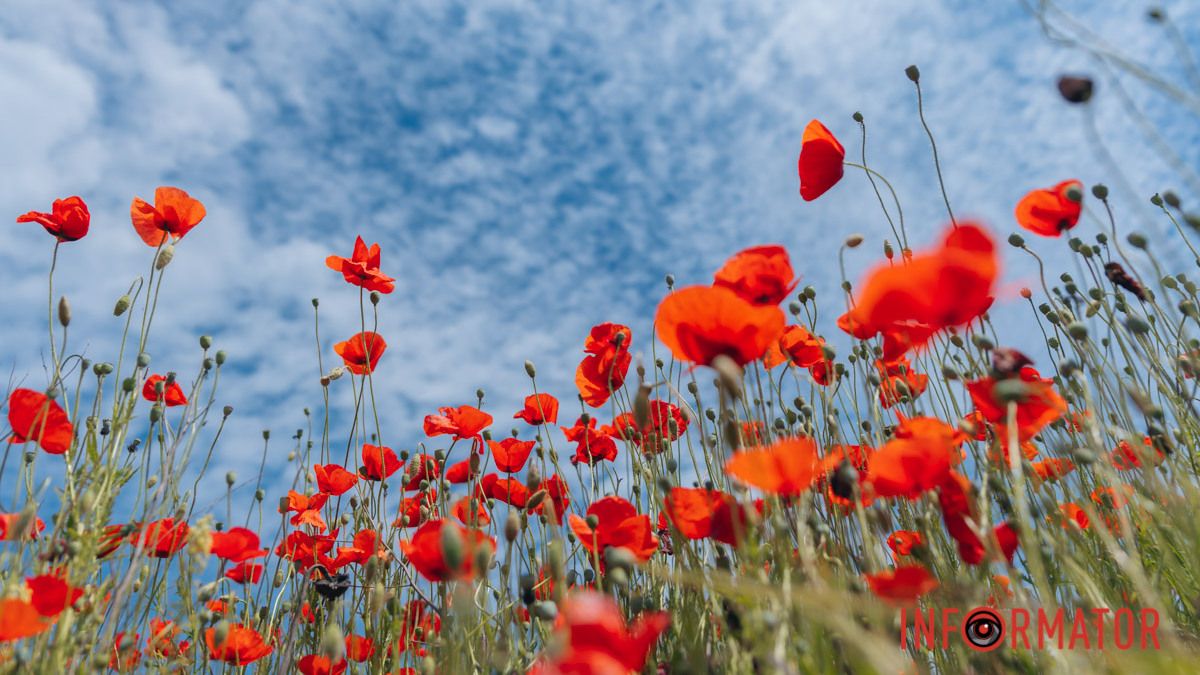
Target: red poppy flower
x=362 y=268
x=427 y=554
x=172 y=394
x=1040 y=405
x=700 y=323
x=1074 y=516
x=161 y=538
x=761 y=275
x=820 y=164
x=68 y=219
x=470 y=512
x=558 y=498
x=903 y=585
x=603 y=370
x=173 y=214
x=897 y=380
x=1125 y=457
x=1051 y=211
x=307 y=549
x=125 y=660
x=1112 y=497
x=592 y=444
x=947 y=286
x=307 y=509
x=37 y=417
x=241 y=646
x=918 y=458
x=420 y=624
x=236 y=545
x=361 y=352
x=699 y=514
x=421 y=468
x=366 y=545
x=597 y=639
x=665 y=423
x=162 y=640
x=618 y=524
x=379 y=462
x=510 y=454
x=462 y=423
x=507 y=490
x=786 y=468
x=245 y=573
x=50 y=594
x=411 y=512
x=955 y=501
x=315 y=664
x=802 y=347
x=359 y=648
x=460 y=472
x=902 y=542
x=539 y=409
x=333 y=479
x=11 y=530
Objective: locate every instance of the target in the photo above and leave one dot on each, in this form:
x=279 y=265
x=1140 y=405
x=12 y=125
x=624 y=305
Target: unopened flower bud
x=854 y=240
x=530 y=370
x=64 y=311
x=913 y=73
x=205 y=341
x=164 y=257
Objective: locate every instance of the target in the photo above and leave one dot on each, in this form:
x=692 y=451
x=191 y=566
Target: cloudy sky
x=530 y=169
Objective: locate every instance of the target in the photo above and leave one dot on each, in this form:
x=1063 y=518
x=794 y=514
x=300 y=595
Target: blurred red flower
x=171 y=396
x=700 y=323
x=1051 y=211
x=761 y=275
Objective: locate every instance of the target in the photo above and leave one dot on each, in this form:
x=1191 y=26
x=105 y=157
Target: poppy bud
x=670 y=279
x=1011 y=391
x=913 y=73
x=333 y=642
x=858 y=117
x=479 y=395
x=1137 y=325
x=888 y=251
x=619 y=558
x=854 y=240
x=729 y=373
x=1075 y=89
x=164 y=257
x=64 y=311
x=336 y=373
x=641 y=407
x=1077 y=331
x=844 y=481
x=266 y=434
x=512 y=527
x=1171 y=199
x=220 y=632
x=535 y=499
x=221 y=357
x=143 y=360
x=1156 y=200
x=205 y=341
x=544 y=610
x=1015 y=240
x=156 y=413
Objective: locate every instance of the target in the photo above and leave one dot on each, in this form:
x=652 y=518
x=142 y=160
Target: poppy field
x=869 y=478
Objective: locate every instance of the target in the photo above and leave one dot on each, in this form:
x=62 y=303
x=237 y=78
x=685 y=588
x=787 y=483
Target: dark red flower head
x=820 y=163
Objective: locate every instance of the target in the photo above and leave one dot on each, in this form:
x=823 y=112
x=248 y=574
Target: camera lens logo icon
x=983 y=629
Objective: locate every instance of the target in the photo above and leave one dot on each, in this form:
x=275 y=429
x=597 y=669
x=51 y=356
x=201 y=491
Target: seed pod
x=729 y=374
x=1076 y=89
x=913 y=73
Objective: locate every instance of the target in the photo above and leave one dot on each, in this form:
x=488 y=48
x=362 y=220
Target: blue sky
x=530 y=170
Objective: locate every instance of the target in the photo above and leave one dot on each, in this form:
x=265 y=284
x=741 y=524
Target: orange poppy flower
x=507 y=490
x=171 y=396
x=820 y=164
x=127 y=659
x=603 y=370
x=411 y=512
x=597 y=639
x=334 y=479
x=1051 y=211
x=918 y=458
x=618 y=524
x=1074 y=516
x=315 y=664
x=362 y=268
x=34 y=416
x=306 y=549
x=419 y=625
x=898 y=378
x=470 y=512
x=236 y=545
x=1112 y=497
x=902 y=542
x=592 y=445
x=903 y=585
x=460 y=472
x=700 y=514
x=162 y=638
x=426 y=551
x=955 y=501
x=1126 y=458
x=510 y=454
x=379 y=462
x=50 y=594
x=359 y=648
x=462 y=422
x=948 y=286
x=68 y=219
x=173 y=214
x=242 y=645
x=161 y=538
x=700 y=323
x=802 y=347
x=761 y=275
x=19 y=619
x=245 y=572
x=361 y=352
x=1053 y=468
x=307 y=509
x=1040 y=406
x=786 y=468
x=366 y=544
x=665 y=423
x=539 y=409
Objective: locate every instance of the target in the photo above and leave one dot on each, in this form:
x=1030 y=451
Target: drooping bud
x=164 y=257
